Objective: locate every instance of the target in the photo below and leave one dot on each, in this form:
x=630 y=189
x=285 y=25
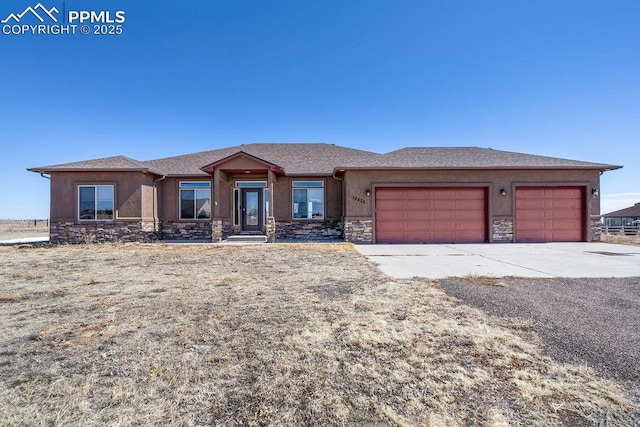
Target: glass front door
x=252 y=209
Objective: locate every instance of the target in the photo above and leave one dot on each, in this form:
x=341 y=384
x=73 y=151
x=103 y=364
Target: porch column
x=216 y=221
x=270 y=229
x=216 y=193
x=271 y=179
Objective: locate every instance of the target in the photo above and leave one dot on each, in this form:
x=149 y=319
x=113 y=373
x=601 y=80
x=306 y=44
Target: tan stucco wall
x=147 y=197
x=242 y=163
x=357 y=182
x=132 y=193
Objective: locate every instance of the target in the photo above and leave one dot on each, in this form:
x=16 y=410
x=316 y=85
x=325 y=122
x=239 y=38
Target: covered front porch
x=243 y=194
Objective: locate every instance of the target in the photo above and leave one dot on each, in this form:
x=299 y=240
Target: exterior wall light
x=594 y=192
x=503 y=192
x=367 y=193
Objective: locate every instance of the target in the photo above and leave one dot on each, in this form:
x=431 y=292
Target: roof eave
x=189 y=175
x=51 y=170
x=343 y=169
x=294 y=174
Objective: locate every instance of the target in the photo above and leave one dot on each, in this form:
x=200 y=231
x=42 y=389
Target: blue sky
x=554 y=78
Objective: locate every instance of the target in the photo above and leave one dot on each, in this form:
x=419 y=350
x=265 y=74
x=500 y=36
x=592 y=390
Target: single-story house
x=324 y=191
x=625 y=220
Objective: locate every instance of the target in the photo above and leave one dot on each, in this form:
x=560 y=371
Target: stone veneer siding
x=308 y=229
x=216 y=230
x=270 y=229
x=220 y=230
x=183 y=230
x=101 y=232
x=503 y=229
x=595 y=229
x=358 y=230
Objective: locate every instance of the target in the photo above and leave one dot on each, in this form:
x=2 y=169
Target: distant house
x=324 y=191
x=628 y=218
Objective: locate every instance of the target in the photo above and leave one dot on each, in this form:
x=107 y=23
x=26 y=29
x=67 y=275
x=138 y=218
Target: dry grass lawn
x=621 y=239
x=268 y=334
x=14 y=229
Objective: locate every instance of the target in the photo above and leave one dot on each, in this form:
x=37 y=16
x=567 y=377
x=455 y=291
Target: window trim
x=236 y=207
x=194 y=186
x=251 y=184
x=265 y=203
x=298 y=185
x=95 y=189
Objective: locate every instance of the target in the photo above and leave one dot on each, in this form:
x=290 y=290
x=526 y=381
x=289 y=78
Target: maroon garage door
x=550 y=214
x=431 y=215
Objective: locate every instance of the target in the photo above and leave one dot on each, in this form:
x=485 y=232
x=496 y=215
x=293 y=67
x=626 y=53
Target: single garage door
x=550 y=214
x=431 y=215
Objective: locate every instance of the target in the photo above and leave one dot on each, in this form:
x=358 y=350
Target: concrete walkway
x=501 y=260
x=25 y=240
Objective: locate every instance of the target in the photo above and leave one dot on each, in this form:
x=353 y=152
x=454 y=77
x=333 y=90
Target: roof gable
x=242 y=161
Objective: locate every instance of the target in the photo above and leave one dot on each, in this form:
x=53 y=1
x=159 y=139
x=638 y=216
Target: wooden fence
x=627 y=230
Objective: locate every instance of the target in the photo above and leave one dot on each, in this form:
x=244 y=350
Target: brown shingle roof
x=323 y=159
x=116 y=163
x=295 y=159
x=630 y=212
x=466 y=158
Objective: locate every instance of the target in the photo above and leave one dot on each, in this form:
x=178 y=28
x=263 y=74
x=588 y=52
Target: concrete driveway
x=544 y=260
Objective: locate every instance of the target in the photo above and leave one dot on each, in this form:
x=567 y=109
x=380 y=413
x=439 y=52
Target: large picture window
x=195 y=200
x=308 y=200
x=95 y=202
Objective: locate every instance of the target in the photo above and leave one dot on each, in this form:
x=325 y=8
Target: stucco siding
x=127 y=192
x=147 y=198
x=242 y=163
x=359 y=208
x=359 y=205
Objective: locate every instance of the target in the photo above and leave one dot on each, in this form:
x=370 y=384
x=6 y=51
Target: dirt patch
x=266 y=334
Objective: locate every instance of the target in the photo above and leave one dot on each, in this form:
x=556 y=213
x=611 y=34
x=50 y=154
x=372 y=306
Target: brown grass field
x=621 y=239
x=14 y=229
x=298 y=334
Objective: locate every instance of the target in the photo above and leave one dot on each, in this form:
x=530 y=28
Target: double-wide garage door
x=550 y=214
x=431 y=215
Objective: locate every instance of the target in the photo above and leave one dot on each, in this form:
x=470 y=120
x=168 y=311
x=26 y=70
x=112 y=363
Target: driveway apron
x=540 y=260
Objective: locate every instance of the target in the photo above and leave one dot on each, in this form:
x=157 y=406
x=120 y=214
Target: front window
x=195 y=200
x=95 y=202
x=308 y=200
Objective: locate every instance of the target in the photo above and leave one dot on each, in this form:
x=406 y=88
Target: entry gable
x=242 y=162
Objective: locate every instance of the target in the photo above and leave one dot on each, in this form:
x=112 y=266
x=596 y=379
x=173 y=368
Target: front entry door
x=252 y=216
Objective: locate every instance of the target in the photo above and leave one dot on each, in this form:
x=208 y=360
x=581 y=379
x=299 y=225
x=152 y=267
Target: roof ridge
x=242 y=147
